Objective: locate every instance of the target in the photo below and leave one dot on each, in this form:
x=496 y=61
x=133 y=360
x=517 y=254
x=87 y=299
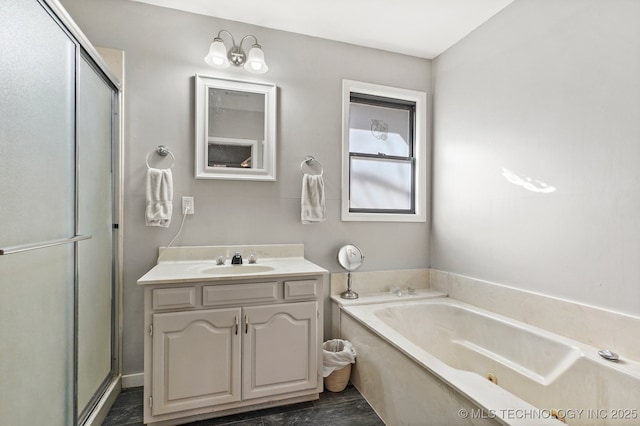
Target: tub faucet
x=608 y=355
x=236 y=259
x=396 y=290
x=411 y=291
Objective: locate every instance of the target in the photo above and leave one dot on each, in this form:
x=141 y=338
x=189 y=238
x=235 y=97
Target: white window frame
x=420 y=150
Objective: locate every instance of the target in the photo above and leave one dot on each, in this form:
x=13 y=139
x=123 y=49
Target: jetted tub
x=441 y=361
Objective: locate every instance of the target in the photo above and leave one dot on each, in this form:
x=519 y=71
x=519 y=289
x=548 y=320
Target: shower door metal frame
x=84 y=49
x=82 y=416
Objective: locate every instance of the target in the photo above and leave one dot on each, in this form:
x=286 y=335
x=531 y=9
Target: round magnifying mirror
x=350 y=257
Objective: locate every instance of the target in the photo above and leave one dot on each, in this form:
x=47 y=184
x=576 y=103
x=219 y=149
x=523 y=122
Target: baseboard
x=132 y=380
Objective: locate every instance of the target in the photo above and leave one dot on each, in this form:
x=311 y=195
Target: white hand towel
x=159 y=194
x=312 y=203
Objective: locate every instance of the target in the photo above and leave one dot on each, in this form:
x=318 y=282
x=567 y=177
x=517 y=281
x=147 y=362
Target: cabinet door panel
x=195 y=359
x=280 y=350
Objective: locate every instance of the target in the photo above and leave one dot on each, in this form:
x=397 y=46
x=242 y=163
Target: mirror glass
x=235 y=129
x=350 y=257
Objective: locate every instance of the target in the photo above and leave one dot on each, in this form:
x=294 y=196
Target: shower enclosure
x=58 y=225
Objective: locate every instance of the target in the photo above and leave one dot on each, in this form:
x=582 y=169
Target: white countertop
x=198 y=270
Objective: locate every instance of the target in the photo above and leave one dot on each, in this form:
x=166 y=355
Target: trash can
x=338 y=355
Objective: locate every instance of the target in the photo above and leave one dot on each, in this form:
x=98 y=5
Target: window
x=384 y=153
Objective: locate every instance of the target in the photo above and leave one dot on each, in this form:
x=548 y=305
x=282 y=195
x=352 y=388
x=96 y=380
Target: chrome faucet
x=236 y=259
x=396 y=290
x=608 y=355
x=411 y=291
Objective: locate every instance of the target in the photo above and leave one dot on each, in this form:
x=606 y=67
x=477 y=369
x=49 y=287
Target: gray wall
x=164 y=49
x=549 y=90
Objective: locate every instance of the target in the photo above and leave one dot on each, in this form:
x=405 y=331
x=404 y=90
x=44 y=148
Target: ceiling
x=422 y=28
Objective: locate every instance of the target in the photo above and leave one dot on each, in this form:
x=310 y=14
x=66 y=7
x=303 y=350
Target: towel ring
x=311 y=166
x=162 y=151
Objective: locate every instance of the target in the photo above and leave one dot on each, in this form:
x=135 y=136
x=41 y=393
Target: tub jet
x=492 y=378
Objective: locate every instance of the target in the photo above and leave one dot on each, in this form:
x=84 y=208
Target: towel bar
x=162 y=151
x=306 y=165
x=36 y=246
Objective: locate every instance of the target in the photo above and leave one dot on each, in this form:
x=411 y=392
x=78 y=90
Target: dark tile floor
x=346 y=408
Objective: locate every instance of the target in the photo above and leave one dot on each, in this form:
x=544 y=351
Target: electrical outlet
x=187 y=205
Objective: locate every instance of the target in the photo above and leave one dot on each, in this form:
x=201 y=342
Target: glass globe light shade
x=255 y=61
x=217 y=56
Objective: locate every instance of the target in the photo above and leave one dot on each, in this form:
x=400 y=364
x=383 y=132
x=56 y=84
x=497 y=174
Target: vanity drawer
x=172 y=298
x=303 y=289
x=225 y=294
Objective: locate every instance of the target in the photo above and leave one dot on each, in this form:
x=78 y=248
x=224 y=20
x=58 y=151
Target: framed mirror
x=235 y=129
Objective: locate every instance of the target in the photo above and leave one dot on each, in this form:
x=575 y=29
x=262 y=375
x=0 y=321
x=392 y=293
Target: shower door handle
x=36 y=246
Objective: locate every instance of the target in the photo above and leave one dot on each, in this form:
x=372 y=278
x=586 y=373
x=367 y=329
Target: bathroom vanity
x=222 y=339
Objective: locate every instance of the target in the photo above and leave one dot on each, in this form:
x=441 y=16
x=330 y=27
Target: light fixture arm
x=250 y=35
x=219 y=37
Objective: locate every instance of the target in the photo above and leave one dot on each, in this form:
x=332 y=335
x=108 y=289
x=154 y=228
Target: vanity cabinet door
x=280 y=349
x=196 y=359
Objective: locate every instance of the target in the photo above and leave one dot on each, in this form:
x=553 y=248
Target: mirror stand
x=350 y=257
x=349 y=294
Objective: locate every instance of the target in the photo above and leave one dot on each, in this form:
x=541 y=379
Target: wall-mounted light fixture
x=220 y=57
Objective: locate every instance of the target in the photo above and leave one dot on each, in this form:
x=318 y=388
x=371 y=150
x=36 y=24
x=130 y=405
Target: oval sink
x=236 y=269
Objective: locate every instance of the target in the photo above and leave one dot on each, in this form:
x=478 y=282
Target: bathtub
x=441 y=361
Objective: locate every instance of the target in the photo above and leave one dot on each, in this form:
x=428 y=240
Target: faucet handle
x=220 y=260
x=253 y=258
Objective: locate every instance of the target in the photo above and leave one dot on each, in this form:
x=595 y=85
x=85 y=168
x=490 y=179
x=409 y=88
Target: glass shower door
x=37 y=185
